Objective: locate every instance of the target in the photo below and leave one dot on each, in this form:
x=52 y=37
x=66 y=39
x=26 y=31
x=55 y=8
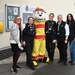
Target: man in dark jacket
x=50 y=30
x=62 y=39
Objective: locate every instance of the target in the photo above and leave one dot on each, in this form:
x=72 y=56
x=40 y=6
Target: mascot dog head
x=39 y=14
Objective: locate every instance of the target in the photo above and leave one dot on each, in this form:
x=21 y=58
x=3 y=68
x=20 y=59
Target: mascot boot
x=45 y=60
x=35 y=62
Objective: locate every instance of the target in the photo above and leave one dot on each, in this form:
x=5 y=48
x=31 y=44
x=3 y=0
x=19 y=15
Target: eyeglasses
x=18 y=19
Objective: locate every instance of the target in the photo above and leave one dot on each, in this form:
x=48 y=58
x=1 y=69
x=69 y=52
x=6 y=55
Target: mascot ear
x=44 y=12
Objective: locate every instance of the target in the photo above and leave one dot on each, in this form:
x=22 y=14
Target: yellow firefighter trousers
x=39 y=49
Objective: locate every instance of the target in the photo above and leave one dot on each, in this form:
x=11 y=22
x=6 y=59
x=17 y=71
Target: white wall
x=56 y=6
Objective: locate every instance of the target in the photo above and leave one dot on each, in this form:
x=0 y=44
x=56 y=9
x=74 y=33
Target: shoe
x=71 y=62
x=60 y=61
x=18 y=67
x=31 y=66
x=50 y=62
x=65 y=63
x=14 y=69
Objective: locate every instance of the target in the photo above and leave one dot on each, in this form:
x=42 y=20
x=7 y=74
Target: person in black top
x=50 y=30
x=62 y=30
x=71 y=23
x=28 y=37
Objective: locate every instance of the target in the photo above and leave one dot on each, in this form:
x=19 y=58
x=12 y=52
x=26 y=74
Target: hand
x=74 y=39
x=65 y=41
x=24 y=43
x=54 y=41
x=20 y=46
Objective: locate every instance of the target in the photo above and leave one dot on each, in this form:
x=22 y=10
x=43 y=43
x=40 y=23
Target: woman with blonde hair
x=15 y=42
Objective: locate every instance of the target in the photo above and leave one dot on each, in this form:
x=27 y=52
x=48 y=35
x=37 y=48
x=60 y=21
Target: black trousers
x=50 y=48
x=28 y=50
x=62 y=50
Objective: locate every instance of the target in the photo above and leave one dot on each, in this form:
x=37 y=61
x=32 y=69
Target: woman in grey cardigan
x=15 y=42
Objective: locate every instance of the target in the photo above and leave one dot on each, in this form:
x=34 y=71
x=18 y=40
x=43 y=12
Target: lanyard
x=58 y=27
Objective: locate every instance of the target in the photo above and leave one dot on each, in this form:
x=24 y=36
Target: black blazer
x=28 y=32
x=52 y=32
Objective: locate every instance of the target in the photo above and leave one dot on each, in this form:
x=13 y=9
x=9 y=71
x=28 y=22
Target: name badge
x=57 y=33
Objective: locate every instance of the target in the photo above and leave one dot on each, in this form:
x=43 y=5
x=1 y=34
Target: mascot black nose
x=40 y=15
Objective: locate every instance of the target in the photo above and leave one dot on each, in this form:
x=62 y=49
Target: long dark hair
x=72 y=18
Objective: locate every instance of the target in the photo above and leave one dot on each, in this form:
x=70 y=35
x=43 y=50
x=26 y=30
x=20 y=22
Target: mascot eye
x=41 y=13
x=37 y=12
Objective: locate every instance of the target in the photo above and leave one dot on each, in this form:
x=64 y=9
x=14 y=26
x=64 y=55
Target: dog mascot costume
x=39 y=48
